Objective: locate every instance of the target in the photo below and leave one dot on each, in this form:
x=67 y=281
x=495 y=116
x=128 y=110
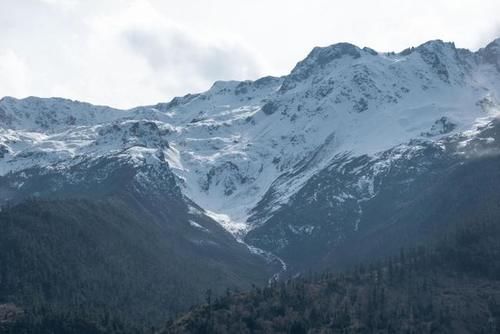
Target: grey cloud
x=130 y=52
x=147 y=46
x=176 y=51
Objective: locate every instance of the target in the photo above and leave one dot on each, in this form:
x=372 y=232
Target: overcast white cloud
x=131 y=52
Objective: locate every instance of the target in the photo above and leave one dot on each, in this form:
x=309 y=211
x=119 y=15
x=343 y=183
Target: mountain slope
x=359 y=208
x=343 y=160
x=451 y=288
x=237 y=142
x=101 y=237
x=114 y=256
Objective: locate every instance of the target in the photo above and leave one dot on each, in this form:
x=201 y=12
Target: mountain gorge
x=347 y=159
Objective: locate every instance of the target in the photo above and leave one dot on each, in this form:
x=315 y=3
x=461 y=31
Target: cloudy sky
x=134 y=52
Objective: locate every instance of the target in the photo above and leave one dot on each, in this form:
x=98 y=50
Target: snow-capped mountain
x=332 y=131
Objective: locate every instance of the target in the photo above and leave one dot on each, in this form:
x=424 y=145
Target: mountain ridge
x=242 y=150
x=341 y=162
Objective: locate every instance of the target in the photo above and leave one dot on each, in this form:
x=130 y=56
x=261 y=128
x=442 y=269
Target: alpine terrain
x=352 y=156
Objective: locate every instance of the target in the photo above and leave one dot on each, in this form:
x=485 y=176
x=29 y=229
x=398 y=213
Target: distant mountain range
x=347 y=159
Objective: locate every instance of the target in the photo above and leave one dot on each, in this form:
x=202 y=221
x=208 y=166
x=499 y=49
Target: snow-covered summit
x=52 y=114
x=491 y=53
x=241 y=141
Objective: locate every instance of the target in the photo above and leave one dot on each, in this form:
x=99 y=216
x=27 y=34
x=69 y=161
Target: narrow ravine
x=270 y=258
x=239 y=233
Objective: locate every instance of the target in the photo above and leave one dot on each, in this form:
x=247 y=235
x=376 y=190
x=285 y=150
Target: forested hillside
x=452 y=288
x=97 y=259
x=377 y=172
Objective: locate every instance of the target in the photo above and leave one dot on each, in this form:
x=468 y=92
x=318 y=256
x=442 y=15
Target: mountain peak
x=495 y=42
x=436 y=46
x=320 y=57
x=436 y=43
x=491 y=53
x=324 y=55
x=493 y=45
